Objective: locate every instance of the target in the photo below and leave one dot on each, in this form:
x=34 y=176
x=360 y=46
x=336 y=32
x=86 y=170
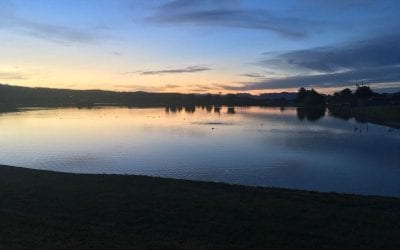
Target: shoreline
x=128 y=175
x=381 y=115
x=376 y=114
x=50 y=210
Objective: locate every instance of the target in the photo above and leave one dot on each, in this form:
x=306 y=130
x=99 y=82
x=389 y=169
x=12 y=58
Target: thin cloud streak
x=189 y=69
x=254 y=75
x=12 y=76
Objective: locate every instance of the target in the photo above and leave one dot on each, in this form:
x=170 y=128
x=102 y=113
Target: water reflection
x=190 y=109
x=261 y=146
x=231 y=110
x=173 y=109
x=311 y=114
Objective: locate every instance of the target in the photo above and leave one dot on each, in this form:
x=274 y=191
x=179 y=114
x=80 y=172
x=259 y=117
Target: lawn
x=48 y=210
x=387 y=115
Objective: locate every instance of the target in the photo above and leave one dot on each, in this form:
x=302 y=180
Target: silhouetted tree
x=364 y=92
x=344 y=96
x=310 y=98
x=301 y=95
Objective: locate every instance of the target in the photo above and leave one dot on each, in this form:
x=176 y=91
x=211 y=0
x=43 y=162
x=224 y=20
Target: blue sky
x=200 y=46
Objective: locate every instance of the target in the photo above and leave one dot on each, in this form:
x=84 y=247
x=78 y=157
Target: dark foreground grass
x=47 y=210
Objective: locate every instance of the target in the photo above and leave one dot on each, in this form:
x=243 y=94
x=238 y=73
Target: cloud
x=171 y=86
x=375 y=60
x=204 y=87
x=147 y=88
x=12 y=76
x=373 y=75
x=342 y=3
x=228 y=14
x=189 y=69
x=254 y=75
x=46 y=31
x=134 y=87
x=173 y=5
x=376 y=52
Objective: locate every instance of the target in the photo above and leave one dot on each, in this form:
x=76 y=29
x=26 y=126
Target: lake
x=252 y=146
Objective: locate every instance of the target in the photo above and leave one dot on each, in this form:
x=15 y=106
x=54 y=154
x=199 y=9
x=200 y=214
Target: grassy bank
x=384 y=115
x=47 y=210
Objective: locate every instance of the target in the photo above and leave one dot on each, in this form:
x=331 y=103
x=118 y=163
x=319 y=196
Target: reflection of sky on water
x=254 y=146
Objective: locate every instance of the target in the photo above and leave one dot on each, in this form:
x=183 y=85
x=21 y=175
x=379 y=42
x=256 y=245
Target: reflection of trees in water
x=231 y=110
x=190 y=109
x=173 y=109
x=301 y=114
x=361 y=127
x=341 y=111
x=177 y=109
x=311 y=114
x=343 y=115
x=217 y=109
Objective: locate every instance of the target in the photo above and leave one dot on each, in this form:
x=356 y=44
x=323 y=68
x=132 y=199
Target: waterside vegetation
x=363 y=104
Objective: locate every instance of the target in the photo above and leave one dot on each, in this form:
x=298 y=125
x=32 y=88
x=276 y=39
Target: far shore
x=50 y=210
x=382 y=115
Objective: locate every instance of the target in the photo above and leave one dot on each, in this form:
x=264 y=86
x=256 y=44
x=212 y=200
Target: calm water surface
x=250 y=146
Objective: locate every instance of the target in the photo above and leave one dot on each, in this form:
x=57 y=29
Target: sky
x=227 y=46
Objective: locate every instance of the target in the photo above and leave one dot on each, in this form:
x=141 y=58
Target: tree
x=346 y=92
x=364 y=92
x=310 y=98
x=301 y=95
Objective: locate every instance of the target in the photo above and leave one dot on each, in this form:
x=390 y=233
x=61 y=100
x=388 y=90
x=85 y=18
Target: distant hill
x=283 y=95
x=24 y=96
x=289 y=96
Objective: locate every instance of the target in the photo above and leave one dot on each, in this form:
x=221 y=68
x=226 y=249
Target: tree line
x=15 y=96
x=25 y=96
